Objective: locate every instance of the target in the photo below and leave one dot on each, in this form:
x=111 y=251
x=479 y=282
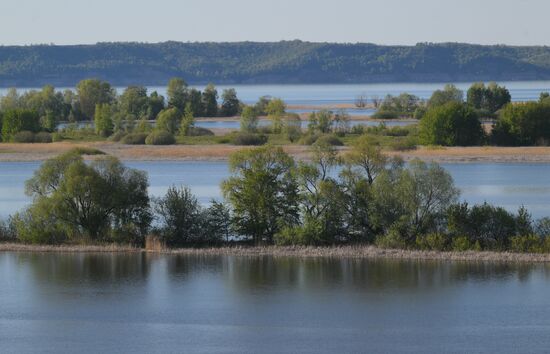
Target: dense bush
x=23 y=137
x=199 y=131
x=523 y=124
x=329 y=140
x=249 y=139
x=43 y=137
x=134 y=139
x=160 y=138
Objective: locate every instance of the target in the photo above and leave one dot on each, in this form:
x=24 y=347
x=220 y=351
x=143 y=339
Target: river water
x=126 y=303
x=509 y=185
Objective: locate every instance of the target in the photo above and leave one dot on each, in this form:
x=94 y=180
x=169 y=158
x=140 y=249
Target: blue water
x=508 y=185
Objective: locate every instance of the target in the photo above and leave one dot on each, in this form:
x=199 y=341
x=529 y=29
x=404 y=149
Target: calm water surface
x=506 y=184
x=147 y=303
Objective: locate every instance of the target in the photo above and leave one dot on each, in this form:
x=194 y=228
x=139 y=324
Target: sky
x=517 y=22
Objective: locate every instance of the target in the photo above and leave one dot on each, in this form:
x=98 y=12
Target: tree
x=178 y=94
x=92 y=92
x=217 y=222
x=169 y=120
x=260 y=215
x=17 y=120
x=523 y=124
x=488 y=99
x=275 y=110
x=230 y=103
x=103 y=120
x=249 y=120
x=195 y=102
x=102 y=200
x=155 y=104
x=453 y=124
x=179 y=216
x=134 y=101
x=210 y=101
x=366 y=156
x=188 y=121
x=450 y=93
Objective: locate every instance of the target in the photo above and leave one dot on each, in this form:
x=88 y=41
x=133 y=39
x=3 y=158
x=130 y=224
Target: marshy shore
x=363 y=252
x=20 y=152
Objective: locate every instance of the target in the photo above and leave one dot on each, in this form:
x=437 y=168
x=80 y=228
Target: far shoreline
x=304 y=252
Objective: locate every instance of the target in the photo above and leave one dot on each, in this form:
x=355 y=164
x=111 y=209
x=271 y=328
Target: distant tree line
x=362 y=197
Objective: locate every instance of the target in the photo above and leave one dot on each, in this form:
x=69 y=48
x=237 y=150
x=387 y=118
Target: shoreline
x=36 y=152
x=357 y=252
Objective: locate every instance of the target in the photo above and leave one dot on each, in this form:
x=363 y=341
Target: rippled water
x=509 y=185
x=150 y=303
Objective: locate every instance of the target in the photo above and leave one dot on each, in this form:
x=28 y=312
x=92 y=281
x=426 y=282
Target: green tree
x=195 y=102
x=169 y=120
x=134 y=101
x=210 y=101
x=155 y=104
x=450 y=93
x=249 y=120
x=102 y=200
x=103 y=120
x=188 y=121
x=230 y=103
x=17 y=120
x=261 y=214
x=453 y=124
x=275 y=111
x=523 y=124
x=488 y=99
x=178 y=93
x=92 y=92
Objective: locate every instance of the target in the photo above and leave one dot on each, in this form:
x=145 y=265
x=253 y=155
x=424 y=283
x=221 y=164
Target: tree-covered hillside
x=281 y=62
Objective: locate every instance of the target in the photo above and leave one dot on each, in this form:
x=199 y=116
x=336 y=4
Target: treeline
x=362 y=197
x=95 y=100
x=281 y=62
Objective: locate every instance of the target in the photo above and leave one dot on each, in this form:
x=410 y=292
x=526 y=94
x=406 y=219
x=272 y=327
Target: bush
x=81 y=150
x=249 y=139
x=57 y=137
x=460 y=244
x=293 y=133
x=7 y=232
x=405 y=144
x=329 y=140
x=199 y=131
x=386 y=115
x=160 y=138
x=43 y=137
x=117 y=136
x=527 y=243
x=392 y=239
x=358 y=129
x=309 y=139
x=24 y=136
x=432 y=242
x=134 y=139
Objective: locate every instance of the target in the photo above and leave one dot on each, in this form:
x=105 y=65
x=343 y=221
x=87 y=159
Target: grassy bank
x=366 y=252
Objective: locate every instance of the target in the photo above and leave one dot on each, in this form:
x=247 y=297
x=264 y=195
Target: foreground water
x=508 y=185
x=93 y=303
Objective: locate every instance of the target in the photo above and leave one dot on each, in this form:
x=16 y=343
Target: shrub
x=405 y=144
x=249 y=139
x=82 y=150
x=134 y=139
x=160 y=138
x=309 y=139
x=329 y=140
x=526 y=243
x=293 y=133
x=117 y=136
x=7 y=232
x=43 y=137
x=460 y=244
x=358 y=129
x=392 y=239
x=432 y=242
x=386 y=115
x=24 y=136
x=57 y=137
x=199 y=131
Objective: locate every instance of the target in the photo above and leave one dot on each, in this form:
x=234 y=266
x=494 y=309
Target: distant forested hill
x=281 y=62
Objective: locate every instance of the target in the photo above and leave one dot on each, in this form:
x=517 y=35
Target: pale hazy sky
x=382 y=21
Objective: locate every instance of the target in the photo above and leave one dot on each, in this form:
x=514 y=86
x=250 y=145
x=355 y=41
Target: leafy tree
x=450 y=125
x=195 y=102
x=102 y=200
x=320 y=121
x=169 y=120
x=366 y=156
x=178 y=94
x=217 y=222
x=210 y=101
x=450 y=93
x=17 y=120
x=261 y=214
x=261 y=105
x=11 y=100
x=155 y=104
x=92 y=92
x=488 y=99
x=134 y=101
x=188 y=121
x=103 y=120
x=230 y=103
x=523 y=124
x=275 y=110
x=249 y=120
x=180 y=216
